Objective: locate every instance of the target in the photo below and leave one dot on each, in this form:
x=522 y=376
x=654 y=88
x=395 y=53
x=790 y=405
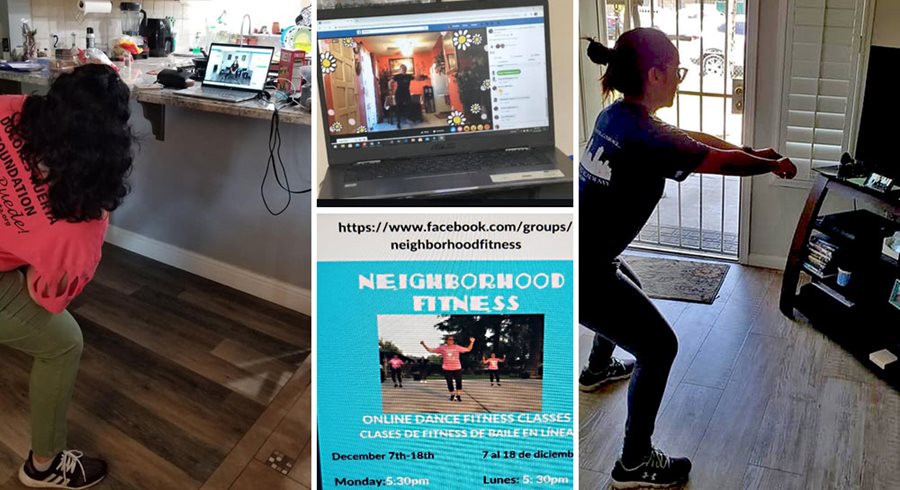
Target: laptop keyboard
x=223 y=93
x=448 y=164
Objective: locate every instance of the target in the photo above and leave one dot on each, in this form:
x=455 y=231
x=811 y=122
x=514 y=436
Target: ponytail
x=627 y=64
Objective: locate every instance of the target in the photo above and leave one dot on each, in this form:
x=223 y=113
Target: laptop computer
x=233 y=73
x=439 y=99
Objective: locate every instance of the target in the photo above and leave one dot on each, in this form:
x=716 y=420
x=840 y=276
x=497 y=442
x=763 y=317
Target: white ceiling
x=388 y=45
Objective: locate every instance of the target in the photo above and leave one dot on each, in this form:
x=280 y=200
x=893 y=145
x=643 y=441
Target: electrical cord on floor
x=272 y=165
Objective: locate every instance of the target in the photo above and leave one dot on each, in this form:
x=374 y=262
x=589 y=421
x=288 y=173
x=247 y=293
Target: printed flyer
x=445 y=351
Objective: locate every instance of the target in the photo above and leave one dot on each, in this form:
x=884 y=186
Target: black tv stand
x=859 y=316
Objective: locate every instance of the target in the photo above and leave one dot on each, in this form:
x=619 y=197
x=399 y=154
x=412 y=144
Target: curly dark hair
x=79 y=134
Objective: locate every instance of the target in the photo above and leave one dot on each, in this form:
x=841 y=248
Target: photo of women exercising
x=65 y=158
x=396 y=365
x=451 y=366
x=622 y=177
x=493 y=367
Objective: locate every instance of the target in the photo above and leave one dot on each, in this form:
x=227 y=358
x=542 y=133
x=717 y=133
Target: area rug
x=679 y=280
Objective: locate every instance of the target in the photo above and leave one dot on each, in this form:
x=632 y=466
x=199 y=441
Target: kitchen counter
x=11 y=78
x=42 y=78
x=155 y=100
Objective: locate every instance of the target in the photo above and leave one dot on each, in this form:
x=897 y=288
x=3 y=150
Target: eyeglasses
x=682 y=73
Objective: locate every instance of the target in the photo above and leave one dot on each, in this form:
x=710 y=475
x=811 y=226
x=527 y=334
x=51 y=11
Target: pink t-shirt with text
x=62 y=256
x=493 y=364
x=451 y=356
x=396 y=363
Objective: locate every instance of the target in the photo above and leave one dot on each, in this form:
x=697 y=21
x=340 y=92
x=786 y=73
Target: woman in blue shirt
x=622 y=176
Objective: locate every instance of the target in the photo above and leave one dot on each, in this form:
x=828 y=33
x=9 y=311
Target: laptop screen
x=432 y=77
x=242 y=67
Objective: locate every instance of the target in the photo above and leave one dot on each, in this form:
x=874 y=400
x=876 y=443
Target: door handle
x=737 y=96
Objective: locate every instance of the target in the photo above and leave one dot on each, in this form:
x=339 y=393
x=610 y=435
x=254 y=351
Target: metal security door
x=702 y=214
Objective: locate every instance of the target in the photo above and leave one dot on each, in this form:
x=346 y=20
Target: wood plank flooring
x=756 y=401
x=184 y=383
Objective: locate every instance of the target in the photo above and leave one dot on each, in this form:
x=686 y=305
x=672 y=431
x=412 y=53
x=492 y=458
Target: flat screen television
x=876 y=143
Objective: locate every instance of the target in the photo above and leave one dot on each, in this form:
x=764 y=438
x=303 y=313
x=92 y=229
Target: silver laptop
x=233 y=73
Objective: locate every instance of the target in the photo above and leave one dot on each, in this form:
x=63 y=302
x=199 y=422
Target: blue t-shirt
x=623 y=173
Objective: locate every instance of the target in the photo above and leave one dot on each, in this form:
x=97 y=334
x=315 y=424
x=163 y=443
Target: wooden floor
x=756 y=401
x=184 y=384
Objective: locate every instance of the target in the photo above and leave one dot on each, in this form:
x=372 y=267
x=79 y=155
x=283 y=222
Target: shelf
x=869 y=324
x=833 y=294
x=855 y=331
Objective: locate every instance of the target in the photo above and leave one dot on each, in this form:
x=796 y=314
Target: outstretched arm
x=471 y=344
x=426 y=347
x=739 y=163
x=719 y=143
x=712 y=141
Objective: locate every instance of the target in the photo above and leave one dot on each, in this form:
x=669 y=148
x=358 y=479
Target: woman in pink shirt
x=451 y=365
x=64 y=157
x=396 y=365
x=493 y=366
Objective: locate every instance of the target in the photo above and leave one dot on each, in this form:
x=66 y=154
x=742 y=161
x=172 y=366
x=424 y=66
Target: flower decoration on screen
x=456 y=118
x=337 y=127
x=486 y=85
x=361 y=129
x=475 y=109
x=462 y=40
x=476 y=39
x=328 y=63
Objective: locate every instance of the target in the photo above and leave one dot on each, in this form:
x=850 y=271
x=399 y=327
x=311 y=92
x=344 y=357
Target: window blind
x=820 y=78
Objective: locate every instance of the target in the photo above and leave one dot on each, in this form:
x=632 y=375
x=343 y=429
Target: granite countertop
x=31 y=78
x=144 y=73
x=139 y=68
x=251 y=108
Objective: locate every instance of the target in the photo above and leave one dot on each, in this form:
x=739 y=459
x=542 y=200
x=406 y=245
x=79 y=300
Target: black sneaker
x=452 y=397
x=458 y=398
x=657 y=471
x=617 y=369
x=69 y=469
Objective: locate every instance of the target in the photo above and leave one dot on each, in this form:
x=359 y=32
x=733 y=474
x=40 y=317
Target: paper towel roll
x=94 y=7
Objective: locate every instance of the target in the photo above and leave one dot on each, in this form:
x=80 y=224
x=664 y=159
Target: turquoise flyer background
x=349 y=387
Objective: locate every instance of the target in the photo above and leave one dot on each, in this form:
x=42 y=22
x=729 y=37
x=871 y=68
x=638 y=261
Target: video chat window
x=408 y=81
x=238 y=67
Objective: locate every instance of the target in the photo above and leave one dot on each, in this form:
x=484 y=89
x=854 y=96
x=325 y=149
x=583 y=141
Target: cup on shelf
x=843 y=277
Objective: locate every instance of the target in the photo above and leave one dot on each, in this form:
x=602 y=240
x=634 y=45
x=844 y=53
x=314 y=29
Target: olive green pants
x=55 y=343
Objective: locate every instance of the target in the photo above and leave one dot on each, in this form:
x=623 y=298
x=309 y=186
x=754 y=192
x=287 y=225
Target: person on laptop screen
x=622 y=176
x=402 y=95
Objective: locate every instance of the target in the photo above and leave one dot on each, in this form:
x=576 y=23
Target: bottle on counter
x=90 y=38
x=128 y=61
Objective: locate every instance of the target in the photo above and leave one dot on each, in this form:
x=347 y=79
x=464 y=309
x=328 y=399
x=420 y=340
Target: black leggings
x=453 y=375
x=396 y=375
x=494 y=374
x=615 y=293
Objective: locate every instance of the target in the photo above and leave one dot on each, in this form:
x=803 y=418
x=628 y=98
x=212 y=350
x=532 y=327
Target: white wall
x=58 y=17
x=886 y=31
x=561 y=36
